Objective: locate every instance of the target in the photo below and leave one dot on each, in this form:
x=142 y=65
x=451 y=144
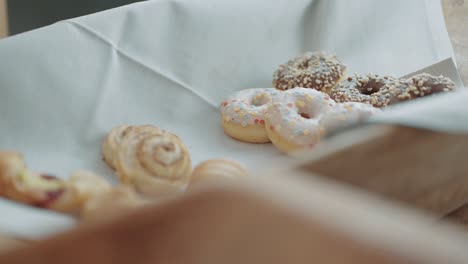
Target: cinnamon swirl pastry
x=153 y=161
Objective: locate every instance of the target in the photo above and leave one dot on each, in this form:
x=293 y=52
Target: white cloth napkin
x=170 y=62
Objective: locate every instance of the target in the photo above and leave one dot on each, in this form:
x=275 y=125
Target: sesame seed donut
x=421 y=85
x=370 y=89
x=300 y=117
x=242 y=114
x=383 y=91
x=316 y=70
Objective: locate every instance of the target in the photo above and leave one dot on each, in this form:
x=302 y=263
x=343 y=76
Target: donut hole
x=305 y=115
x=368 y=90
x=371 y=86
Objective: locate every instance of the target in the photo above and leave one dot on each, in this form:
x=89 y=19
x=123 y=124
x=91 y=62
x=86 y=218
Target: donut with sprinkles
x=299 y=117
x=242 y=114
x=316 y=70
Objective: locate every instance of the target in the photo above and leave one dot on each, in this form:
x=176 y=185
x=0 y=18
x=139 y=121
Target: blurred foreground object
x=105 y=206
x=263 y=221
x=418 y=167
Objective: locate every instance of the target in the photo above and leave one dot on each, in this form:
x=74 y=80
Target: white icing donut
x=346 y=114
x=300 y=117
x=242 y=114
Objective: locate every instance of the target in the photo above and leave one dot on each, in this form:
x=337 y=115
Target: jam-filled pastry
x=153 y=161
x=217 y=170
x=20 y=184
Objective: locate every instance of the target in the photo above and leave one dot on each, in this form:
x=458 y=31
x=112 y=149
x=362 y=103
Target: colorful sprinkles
x=247 y=107
x=303 y=116
x=290 y=114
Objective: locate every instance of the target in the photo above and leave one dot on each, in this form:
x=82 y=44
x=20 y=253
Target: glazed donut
x=370 y=89
x=292 y=120
x=300 y=117
x=242 y=114
x=315 y=70
x=422 y=85
x=346 y=114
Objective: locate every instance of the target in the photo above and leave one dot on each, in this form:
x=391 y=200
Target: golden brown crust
x=252 y=134
x=85 y=185
x=19 y=184
x=111 y=143
x=108 y=205
x=45 y=191
x=217 y=170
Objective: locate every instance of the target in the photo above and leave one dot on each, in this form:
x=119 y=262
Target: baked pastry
x=108 y=205
x=85 y=185
x=46 y=191
x=112 y=142
x=217 y=170
x=316 y=70
x=242 y=114
x=153 y=161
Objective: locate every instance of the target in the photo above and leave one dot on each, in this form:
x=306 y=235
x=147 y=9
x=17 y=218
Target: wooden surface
x=3 y=19
x=456 y=18
x=8 y=243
